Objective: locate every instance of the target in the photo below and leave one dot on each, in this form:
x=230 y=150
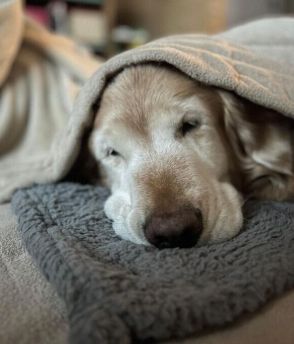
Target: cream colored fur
x=149 y=164
x=139 y=117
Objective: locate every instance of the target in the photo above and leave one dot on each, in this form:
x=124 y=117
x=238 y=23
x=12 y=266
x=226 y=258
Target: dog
x=181 y=158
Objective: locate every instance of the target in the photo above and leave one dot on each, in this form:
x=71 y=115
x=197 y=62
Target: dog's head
x=169 y=150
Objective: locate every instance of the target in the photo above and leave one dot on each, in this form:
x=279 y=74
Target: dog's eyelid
x=194 y=117
x=188 y=125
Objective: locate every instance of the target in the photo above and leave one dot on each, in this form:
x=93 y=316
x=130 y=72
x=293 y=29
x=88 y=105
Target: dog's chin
x=223 y=216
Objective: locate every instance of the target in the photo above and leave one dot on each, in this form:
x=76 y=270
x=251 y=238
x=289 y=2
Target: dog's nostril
x=188 y=238
x=178 y=229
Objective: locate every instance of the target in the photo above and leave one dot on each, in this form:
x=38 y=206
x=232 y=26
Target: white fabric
x=30 y=312
x=40 y=74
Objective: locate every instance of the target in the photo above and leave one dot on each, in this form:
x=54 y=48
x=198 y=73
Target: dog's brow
x=136 y=121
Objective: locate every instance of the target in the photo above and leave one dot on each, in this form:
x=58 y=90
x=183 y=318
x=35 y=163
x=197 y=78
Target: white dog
x=180 y=157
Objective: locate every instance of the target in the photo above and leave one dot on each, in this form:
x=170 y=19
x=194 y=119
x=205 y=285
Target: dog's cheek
x=233 y=215
x=113 y=174
x=228 y=214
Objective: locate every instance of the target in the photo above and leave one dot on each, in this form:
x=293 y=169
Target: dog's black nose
x=181 y=228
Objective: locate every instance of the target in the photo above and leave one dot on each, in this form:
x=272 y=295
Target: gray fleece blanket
x=120 y=292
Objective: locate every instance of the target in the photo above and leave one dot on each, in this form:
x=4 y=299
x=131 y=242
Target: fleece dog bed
x=120 y=292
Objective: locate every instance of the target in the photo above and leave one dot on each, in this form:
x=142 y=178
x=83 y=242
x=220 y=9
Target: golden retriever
x=181 y=158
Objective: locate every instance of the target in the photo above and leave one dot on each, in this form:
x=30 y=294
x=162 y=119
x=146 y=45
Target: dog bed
x=120 y=292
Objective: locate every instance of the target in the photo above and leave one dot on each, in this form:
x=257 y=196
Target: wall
x=164 y=17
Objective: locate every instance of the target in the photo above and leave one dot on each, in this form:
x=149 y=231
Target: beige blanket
x=39 y=145
x=31 y=311
x=40 y=74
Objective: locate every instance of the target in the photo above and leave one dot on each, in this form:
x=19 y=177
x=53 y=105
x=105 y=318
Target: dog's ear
x=261 y=139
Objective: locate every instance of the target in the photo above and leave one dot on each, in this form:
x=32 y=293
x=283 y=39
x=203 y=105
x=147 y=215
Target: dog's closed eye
x=188 y=126
x=112 y=152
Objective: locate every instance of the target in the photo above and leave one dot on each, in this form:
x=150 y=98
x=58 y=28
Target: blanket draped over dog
x=256 y=61
x=120 y=292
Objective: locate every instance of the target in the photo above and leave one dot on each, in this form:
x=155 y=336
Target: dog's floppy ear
x=261 y=139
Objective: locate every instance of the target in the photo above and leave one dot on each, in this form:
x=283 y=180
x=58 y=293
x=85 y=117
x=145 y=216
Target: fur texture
x=165 y=143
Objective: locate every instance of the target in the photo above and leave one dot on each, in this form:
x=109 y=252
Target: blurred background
x=111 y=26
